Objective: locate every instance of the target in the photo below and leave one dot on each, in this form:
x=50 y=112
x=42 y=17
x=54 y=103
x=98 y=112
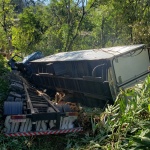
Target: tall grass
x=123 y=126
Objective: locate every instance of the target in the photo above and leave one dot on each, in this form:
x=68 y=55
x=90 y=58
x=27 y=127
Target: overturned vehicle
x=92 y=77
x=89 y=77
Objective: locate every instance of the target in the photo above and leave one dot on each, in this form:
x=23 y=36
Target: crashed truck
x=91 y=78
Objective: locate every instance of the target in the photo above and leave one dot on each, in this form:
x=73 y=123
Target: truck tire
x=13 y=108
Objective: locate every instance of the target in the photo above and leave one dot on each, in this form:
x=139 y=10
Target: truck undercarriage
x=31 y=112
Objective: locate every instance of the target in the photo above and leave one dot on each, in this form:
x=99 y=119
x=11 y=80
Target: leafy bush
x=125 y=125
x=3 y=76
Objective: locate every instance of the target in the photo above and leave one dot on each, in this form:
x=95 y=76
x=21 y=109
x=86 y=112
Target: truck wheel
x=13 y=108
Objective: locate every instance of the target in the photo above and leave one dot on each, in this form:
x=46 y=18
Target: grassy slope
x=125 y=125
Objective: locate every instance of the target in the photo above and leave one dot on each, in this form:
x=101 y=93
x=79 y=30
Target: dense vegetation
x=66 y=25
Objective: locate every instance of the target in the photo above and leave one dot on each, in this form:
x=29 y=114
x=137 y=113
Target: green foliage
x=3 y=77
x=29 y=30
x=66 y=20
x=73 y=25
x=34 y=143
x=125 y=125
x=134 y=17
x=6 y=22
